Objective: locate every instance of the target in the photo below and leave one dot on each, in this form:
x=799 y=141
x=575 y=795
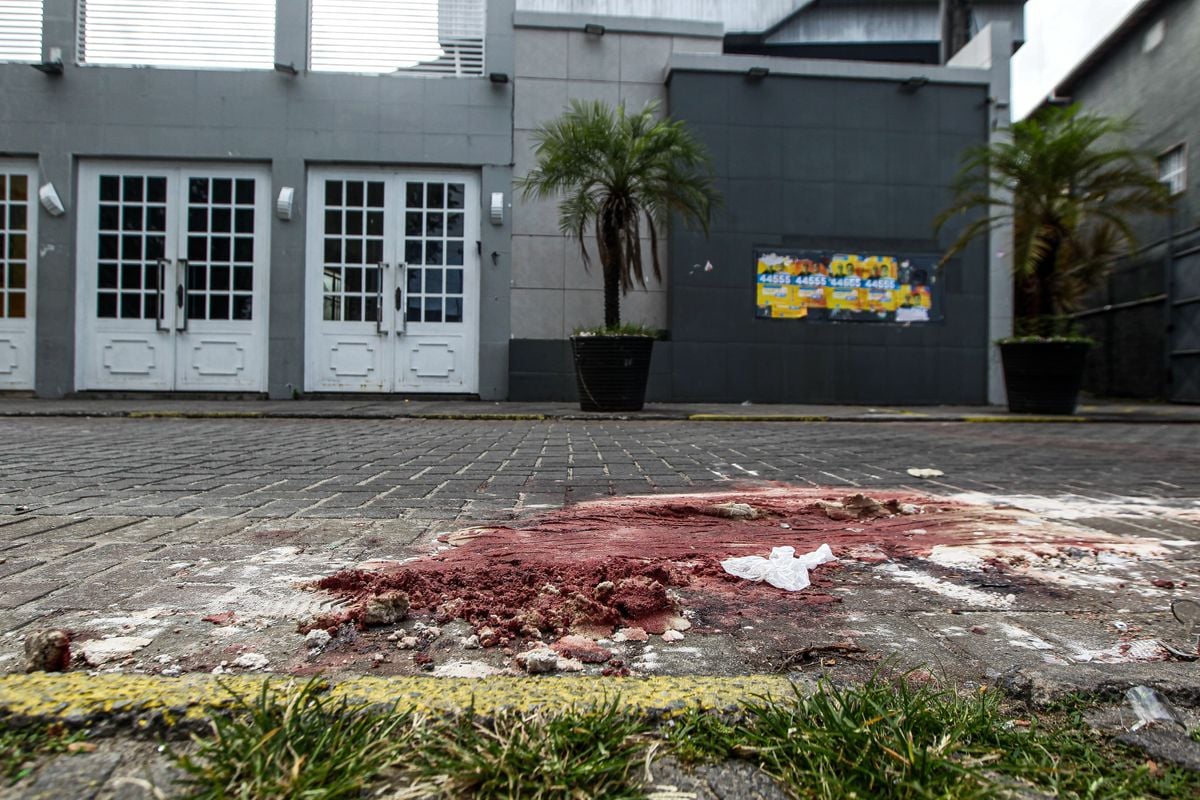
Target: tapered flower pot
x=611 y=371
x=1043 y=377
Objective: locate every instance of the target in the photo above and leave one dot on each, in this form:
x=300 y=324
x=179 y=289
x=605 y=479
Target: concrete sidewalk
x=1043 y=558
x=377 y=408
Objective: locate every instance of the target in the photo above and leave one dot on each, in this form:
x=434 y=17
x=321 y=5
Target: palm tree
x=615 y=169
x=1069 y=190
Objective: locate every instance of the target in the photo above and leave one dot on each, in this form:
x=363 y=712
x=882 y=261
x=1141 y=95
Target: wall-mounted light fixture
x=913 y=84
x=497 y=208
x=758 y=73
x=285 y=202
x=53 y=65
x=593 y=29
x=50 y=200
x=287 y=69
x=498 y=77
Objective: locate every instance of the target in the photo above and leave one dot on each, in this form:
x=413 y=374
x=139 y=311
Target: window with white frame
x=439 y=37
x=20 y=30
x=233 y=34
x=1172 y=170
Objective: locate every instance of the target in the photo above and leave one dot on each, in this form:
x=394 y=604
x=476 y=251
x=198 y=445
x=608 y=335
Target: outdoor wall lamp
x=285 y=202
x=914 y=83
x=498 y=77
x=50 y=200
x=287 y=69
x=593 y=29
x=758 y=72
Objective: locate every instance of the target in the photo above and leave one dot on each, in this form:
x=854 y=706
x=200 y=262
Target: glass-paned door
x=18 y=269
x=393 y=276
x=173 y=277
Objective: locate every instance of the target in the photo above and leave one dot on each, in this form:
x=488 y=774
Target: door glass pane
x=219 y=264
x=435 y=237
x=135 y=205
x=14 y=225
x=353 y=249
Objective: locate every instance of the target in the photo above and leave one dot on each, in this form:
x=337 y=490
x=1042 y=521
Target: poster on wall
x=843 y=286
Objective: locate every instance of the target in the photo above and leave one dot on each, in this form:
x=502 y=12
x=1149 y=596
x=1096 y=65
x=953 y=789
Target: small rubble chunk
x=385 y=609
x=48 y=651
x=224 y=618
x=631 y=635
x=317 y=639
x=408 y=643
x=604 y=590
x=102 y=651
x=862 y=507
x=471 y=642
x=539 y=661
x=735 y=510
x=903 y=509
x=672 y=636
x=581 y=648
x=251 y=661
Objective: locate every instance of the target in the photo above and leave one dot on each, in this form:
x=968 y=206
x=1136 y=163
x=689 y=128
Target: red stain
x=628 y=561
x=224 y=618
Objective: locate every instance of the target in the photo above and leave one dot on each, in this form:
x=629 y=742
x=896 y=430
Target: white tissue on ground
x=783 y=570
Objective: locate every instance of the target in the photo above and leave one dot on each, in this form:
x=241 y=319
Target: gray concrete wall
x=820 y=162
x=552 y=293
x=261 y=117
x=1156 y=88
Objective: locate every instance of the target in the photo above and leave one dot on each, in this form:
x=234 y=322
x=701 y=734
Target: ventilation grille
x=440 y=37
x=178 y=33
x=21 y=30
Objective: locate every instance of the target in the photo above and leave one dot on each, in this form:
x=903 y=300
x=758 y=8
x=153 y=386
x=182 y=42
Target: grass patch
x=295 y=744
x=891 y=739
x=21 y=747
x=581 y=754
x=888 y=739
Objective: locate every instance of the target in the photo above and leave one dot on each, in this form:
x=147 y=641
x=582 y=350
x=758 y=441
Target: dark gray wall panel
x=825 y=163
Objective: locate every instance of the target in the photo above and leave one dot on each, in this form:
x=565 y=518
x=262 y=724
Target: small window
x=440 y=37
x=21 y=30
x=1172 y=170
x=230 y=34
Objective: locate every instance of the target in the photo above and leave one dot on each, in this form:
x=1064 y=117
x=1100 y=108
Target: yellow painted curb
x=484 y=417
x=86 y=698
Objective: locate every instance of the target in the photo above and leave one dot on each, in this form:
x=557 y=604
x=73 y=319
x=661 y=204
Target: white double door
x=18 y=272
x=173 y=277
x=392 y=281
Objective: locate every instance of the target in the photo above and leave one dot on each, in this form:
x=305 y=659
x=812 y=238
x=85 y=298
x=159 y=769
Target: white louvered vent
x=20 y=30
x=178 y=33
x=442 y=37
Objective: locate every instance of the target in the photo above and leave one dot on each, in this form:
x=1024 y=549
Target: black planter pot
x=611 y=371
x=1043 y=377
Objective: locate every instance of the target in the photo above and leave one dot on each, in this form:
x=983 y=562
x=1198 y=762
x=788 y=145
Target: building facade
x=1147 y=319
x=297 y=197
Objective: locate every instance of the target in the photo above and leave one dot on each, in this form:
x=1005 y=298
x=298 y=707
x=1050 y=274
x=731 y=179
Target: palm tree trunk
x=611 y=263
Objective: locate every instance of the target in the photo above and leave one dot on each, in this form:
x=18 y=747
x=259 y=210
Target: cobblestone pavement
x=140 y=527
x=442 y=470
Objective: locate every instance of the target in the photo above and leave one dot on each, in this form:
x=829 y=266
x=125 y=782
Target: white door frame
x=173 y=353
x=18 y=337
x=391 y=354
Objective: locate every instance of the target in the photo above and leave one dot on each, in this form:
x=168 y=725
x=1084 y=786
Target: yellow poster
x=835 y=286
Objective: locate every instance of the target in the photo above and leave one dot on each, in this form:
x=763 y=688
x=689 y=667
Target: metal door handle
x=180 y=296
x=379 y=299
x=401 y=276
x=162 y=296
